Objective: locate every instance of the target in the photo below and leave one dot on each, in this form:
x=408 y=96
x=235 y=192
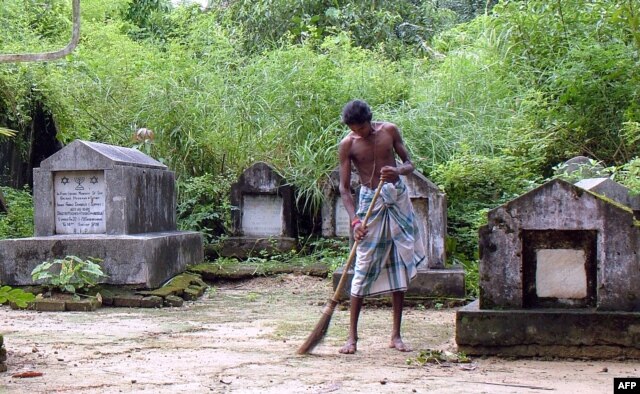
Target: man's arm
x=392 y=172
x=401 y=150
x=345 y=177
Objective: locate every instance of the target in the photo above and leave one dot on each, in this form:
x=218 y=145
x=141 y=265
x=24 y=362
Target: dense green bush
x=474 y=184
x=583 y=60
x=487 y=107
x=18 y=221
x=396 y=27
x=203 y=205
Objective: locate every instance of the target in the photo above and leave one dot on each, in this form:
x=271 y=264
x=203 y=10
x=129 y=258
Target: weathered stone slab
x=127 y=301
x=561 y=273
x=575 y=333
x=151 y=302
x=143 y=259
x=213 y=271
x=79 y=198
x=49 y=305
x=243 y=247
x=264 y=212
x=84 y=305
x=581 y=167
x=173 y=301
x=262 y=215
x=335 y=220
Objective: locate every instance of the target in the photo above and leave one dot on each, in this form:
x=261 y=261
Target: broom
x=319 y=332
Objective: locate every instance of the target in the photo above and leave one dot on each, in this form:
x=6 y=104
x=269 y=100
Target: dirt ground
x=242 y=337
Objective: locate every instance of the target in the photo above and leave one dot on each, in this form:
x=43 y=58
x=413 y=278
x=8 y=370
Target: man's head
x=356 y=112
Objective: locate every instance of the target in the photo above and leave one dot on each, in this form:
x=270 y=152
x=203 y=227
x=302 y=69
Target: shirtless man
x=372 y=148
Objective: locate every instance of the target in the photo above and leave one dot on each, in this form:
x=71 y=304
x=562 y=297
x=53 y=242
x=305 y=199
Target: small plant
x=252 y=296
x=18 y=296
x=430 y=356
x=69 y=274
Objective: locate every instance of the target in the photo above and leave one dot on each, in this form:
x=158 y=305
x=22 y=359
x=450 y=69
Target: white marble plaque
x=343 y=223
x=79 y=198
x=561 y=273
x=262 y=215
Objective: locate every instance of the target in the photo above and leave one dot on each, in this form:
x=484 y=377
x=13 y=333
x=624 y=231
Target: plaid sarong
x=388 y=257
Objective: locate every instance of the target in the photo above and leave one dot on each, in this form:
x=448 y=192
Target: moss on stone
x=177 y=285
x=212 y=271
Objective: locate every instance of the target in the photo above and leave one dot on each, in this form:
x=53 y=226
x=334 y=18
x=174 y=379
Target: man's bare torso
x=369 y=154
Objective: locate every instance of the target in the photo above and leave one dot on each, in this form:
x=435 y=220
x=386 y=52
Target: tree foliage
x=489 y=97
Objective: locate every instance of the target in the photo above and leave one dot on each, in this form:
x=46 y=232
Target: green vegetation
x=17 y=222
x=430 y=356
x=69 y=275
x=490 y=96
x=18 y=296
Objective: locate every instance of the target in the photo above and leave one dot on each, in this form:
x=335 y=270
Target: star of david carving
x=64 y=180
x=94 y=180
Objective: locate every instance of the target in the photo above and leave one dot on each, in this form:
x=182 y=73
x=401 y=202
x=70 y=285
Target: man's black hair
x=356 y=112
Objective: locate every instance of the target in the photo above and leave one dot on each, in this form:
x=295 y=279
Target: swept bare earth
x=242 y=337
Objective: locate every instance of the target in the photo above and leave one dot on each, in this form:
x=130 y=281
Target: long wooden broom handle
x=352 y=254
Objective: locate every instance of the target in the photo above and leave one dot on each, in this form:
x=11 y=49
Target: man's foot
x=349 y=347
x=396 y=343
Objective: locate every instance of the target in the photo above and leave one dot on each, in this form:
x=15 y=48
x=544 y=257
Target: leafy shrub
x=628 y=174
x=18 y=221
x=18 y=296
x=69 y=274
x=203 y=205
x=474 y=184
x=395 y=27
x=583 y=62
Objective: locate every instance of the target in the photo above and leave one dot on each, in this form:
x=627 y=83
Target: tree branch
x=46 y=56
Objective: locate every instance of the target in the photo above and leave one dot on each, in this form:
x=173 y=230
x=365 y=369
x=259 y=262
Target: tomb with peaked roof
x=108 y=202
x=558 y=276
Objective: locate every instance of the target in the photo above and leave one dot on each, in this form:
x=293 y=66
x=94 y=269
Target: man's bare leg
x=351 y=346
x=396 y=339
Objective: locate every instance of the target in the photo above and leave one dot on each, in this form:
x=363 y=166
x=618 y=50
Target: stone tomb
x=109 y=202
x=264 y=215
x=558 y=277
x=429 y=204
x=335 y=220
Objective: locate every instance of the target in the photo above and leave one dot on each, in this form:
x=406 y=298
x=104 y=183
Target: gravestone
x=263 y=217
x=335 y=220
x=108 y=202
x=558 y=277
x=581 y=167
x=430 y=207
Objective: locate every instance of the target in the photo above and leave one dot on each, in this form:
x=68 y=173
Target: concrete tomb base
x=429 y=283
x=244 y=247
x=567 y=333
x=145 y=260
